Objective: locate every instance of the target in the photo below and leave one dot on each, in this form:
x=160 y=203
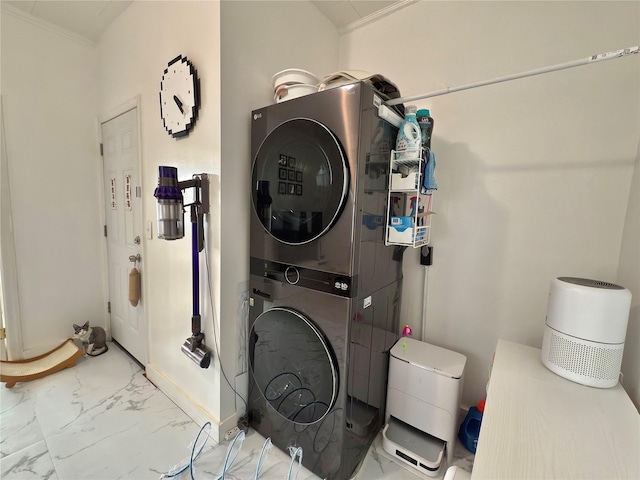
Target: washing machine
x=319 y=189
x=318 y=370
x=324 y=289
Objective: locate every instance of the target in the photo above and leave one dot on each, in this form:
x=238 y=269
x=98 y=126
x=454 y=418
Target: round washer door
x=300 y=181
x=293 y=365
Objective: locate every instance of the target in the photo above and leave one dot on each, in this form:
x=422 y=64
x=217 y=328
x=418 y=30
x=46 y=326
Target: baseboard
x=187 y=404
x=126 y=352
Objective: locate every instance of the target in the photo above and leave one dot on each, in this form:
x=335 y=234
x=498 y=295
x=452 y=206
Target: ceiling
x=85 y=18
x=344 y=13
x=89 y=18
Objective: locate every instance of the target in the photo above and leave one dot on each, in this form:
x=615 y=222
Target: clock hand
x=179 y=103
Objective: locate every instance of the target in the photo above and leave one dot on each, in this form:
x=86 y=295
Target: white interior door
x=123 y=209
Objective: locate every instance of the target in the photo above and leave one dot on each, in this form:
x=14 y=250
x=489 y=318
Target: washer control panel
x=292 y=275
x=341 y=285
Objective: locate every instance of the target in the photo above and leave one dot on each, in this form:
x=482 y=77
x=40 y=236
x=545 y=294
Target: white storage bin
x=404 y=182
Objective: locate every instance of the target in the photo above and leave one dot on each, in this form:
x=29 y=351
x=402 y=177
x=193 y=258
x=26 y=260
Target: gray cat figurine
x=93 y=339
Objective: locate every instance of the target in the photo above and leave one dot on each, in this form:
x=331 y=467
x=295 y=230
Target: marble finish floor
x=102 y=420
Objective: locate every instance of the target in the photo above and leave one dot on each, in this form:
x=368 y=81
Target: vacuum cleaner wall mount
x=171 y=227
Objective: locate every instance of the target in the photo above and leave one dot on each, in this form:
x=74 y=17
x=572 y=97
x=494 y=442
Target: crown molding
x=45 y=25
x=375 y=16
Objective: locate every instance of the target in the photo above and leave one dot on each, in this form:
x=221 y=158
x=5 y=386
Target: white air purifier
x=585 y=329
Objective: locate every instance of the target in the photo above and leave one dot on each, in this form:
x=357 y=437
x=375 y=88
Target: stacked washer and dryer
x=324 y=289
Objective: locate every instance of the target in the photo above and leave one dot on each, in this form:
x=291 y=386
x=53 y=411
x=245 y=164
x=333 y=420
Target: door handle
x=134 y=258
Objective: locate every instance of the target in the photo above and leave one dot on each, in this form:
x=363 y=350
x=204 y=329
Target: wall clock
x=179 y=97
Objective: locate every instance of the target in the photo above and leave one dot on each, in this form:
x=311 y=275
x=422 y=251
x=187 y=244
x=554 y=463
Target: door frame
x=10 y=295
x=132 y=103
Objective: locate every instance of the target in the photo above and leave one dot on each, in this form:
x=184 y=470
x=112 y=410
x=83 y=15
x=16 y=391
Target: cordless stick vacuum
x=171 y=227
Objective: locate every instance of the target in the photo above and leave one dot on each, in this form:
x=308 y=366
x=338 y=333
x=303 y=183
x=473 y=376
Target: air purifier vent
x=590 y=283
x=589 y=363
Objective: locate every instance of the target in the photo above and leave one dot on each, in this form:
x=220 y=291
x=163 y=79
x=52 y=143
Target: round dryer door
x=300 y=181
x=293 y=365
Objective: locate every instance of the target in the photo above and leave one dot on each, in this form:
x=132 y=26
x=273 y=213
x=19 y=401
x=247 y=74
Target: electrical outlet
x=231 y=433
x=426 y=255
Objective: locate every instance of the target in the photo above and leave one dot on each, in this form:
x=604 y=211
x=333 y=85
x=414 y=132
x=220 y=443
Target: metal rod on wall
x=553 y=68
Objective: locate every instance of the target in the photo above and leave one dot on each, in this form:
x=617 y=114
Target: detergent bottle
x=409 y=139
x=469 y=431
x=423 y=116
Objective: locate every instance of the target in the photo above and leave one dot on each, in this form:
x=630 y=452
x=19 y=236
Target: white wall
x=629 y=276
x=50 y=100
x=258 y=39
x=126 y=67
x=533 y=174
x=133 y=54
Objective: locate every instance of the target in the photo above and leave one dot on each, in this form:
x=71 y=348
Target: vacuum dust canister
x=169 y=204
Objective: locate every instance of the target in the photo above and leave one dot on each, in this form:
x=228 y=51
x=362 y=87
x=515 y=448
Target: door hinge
x=108 y=307
x=101 y=150
x=105 y=230
x=3 y=333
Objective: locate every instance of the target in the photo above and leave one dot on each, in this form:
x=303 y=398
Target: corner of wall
x=629 y=277
x=197 y=412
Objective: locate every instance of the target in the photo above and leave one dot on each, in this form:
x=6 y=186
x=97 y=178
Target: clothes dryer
x=319 y=189
x=318 y=370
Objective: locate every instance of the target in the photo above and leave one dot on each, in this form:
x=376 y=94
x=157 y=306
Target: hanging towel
x=429 y=182
x=134 y=287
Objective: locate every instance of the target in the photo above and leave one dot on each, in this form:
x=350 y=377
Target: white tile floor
x=103 y=420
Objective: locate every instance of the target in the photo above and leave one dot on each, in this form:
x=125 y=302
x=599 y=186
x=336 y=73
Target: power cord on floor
x=228 y=461
x=295 y=452
x=232 y=454
x=175 y=471
x=263 y=457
